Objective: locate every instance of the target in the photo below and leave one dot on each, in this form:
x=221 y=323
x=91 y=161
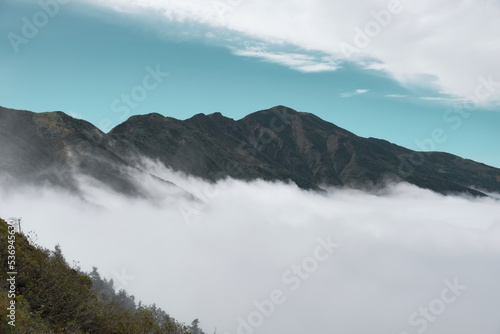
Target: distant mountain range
x=275 y=144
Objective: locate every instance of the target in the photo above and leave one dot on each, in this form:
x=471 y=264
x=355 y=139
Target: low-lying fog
x=271 y=258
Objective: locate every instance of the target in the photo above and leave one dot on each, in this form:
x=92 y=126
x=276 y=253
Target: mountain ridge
x=276 y=144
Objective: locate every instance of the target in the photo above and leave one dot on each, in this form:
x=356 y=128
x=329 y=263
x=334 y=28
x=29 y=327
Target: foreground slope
x=275 y=144
x=51 y=297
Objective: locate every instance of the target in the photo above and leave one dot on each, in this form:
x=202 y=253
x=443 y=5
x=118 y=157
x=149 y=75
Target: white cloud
x=433 y=98
x=447 y=44
x=448 y=100
x=300 y=62
x=356 y=92
x=397 y=249
x=396 y=96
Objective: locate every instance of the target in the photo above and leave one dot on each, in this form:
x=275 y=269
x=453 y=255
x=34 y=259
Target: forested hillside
x=46 y=295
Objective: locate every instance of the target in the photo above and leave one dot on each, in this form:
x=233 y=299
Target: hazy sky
x=342 y=262
x=385 y=69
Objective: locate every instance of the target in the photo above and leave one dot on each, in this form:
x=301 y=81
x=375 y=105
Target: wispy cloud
x=448 y=100
x=434 y=98
x=396 y=96
x=356 y=92
x=422 y=44
x=298 y=61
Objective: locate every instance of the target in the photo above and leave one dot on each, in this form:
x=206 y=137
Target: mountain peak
x=283 y=110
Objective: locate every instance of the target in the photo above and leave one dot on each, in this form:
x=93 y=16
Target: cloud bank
x=265 y=257
x=449 y=45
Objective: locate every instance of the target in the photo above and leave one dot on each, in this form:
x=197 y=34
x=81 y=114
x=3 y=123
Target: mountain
x=275 y=144
x=49 y=148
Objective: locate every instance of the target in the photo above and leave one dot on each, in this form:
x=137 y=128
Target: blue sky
x=237 y=57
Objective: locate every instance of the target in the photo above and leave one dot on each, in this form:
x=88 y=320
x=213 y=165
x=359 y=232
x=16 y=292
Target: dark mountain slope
x=47 y=148
x=275 y=144
x=282 y=144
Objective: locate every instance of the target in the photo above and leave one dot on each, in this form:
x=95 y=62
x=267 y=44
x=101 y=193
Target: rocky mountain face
x=275 y=144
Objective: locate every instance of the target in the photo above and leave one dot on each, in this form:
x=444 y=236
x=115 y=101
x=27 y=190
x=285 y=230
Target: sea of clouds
x=265 y=257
